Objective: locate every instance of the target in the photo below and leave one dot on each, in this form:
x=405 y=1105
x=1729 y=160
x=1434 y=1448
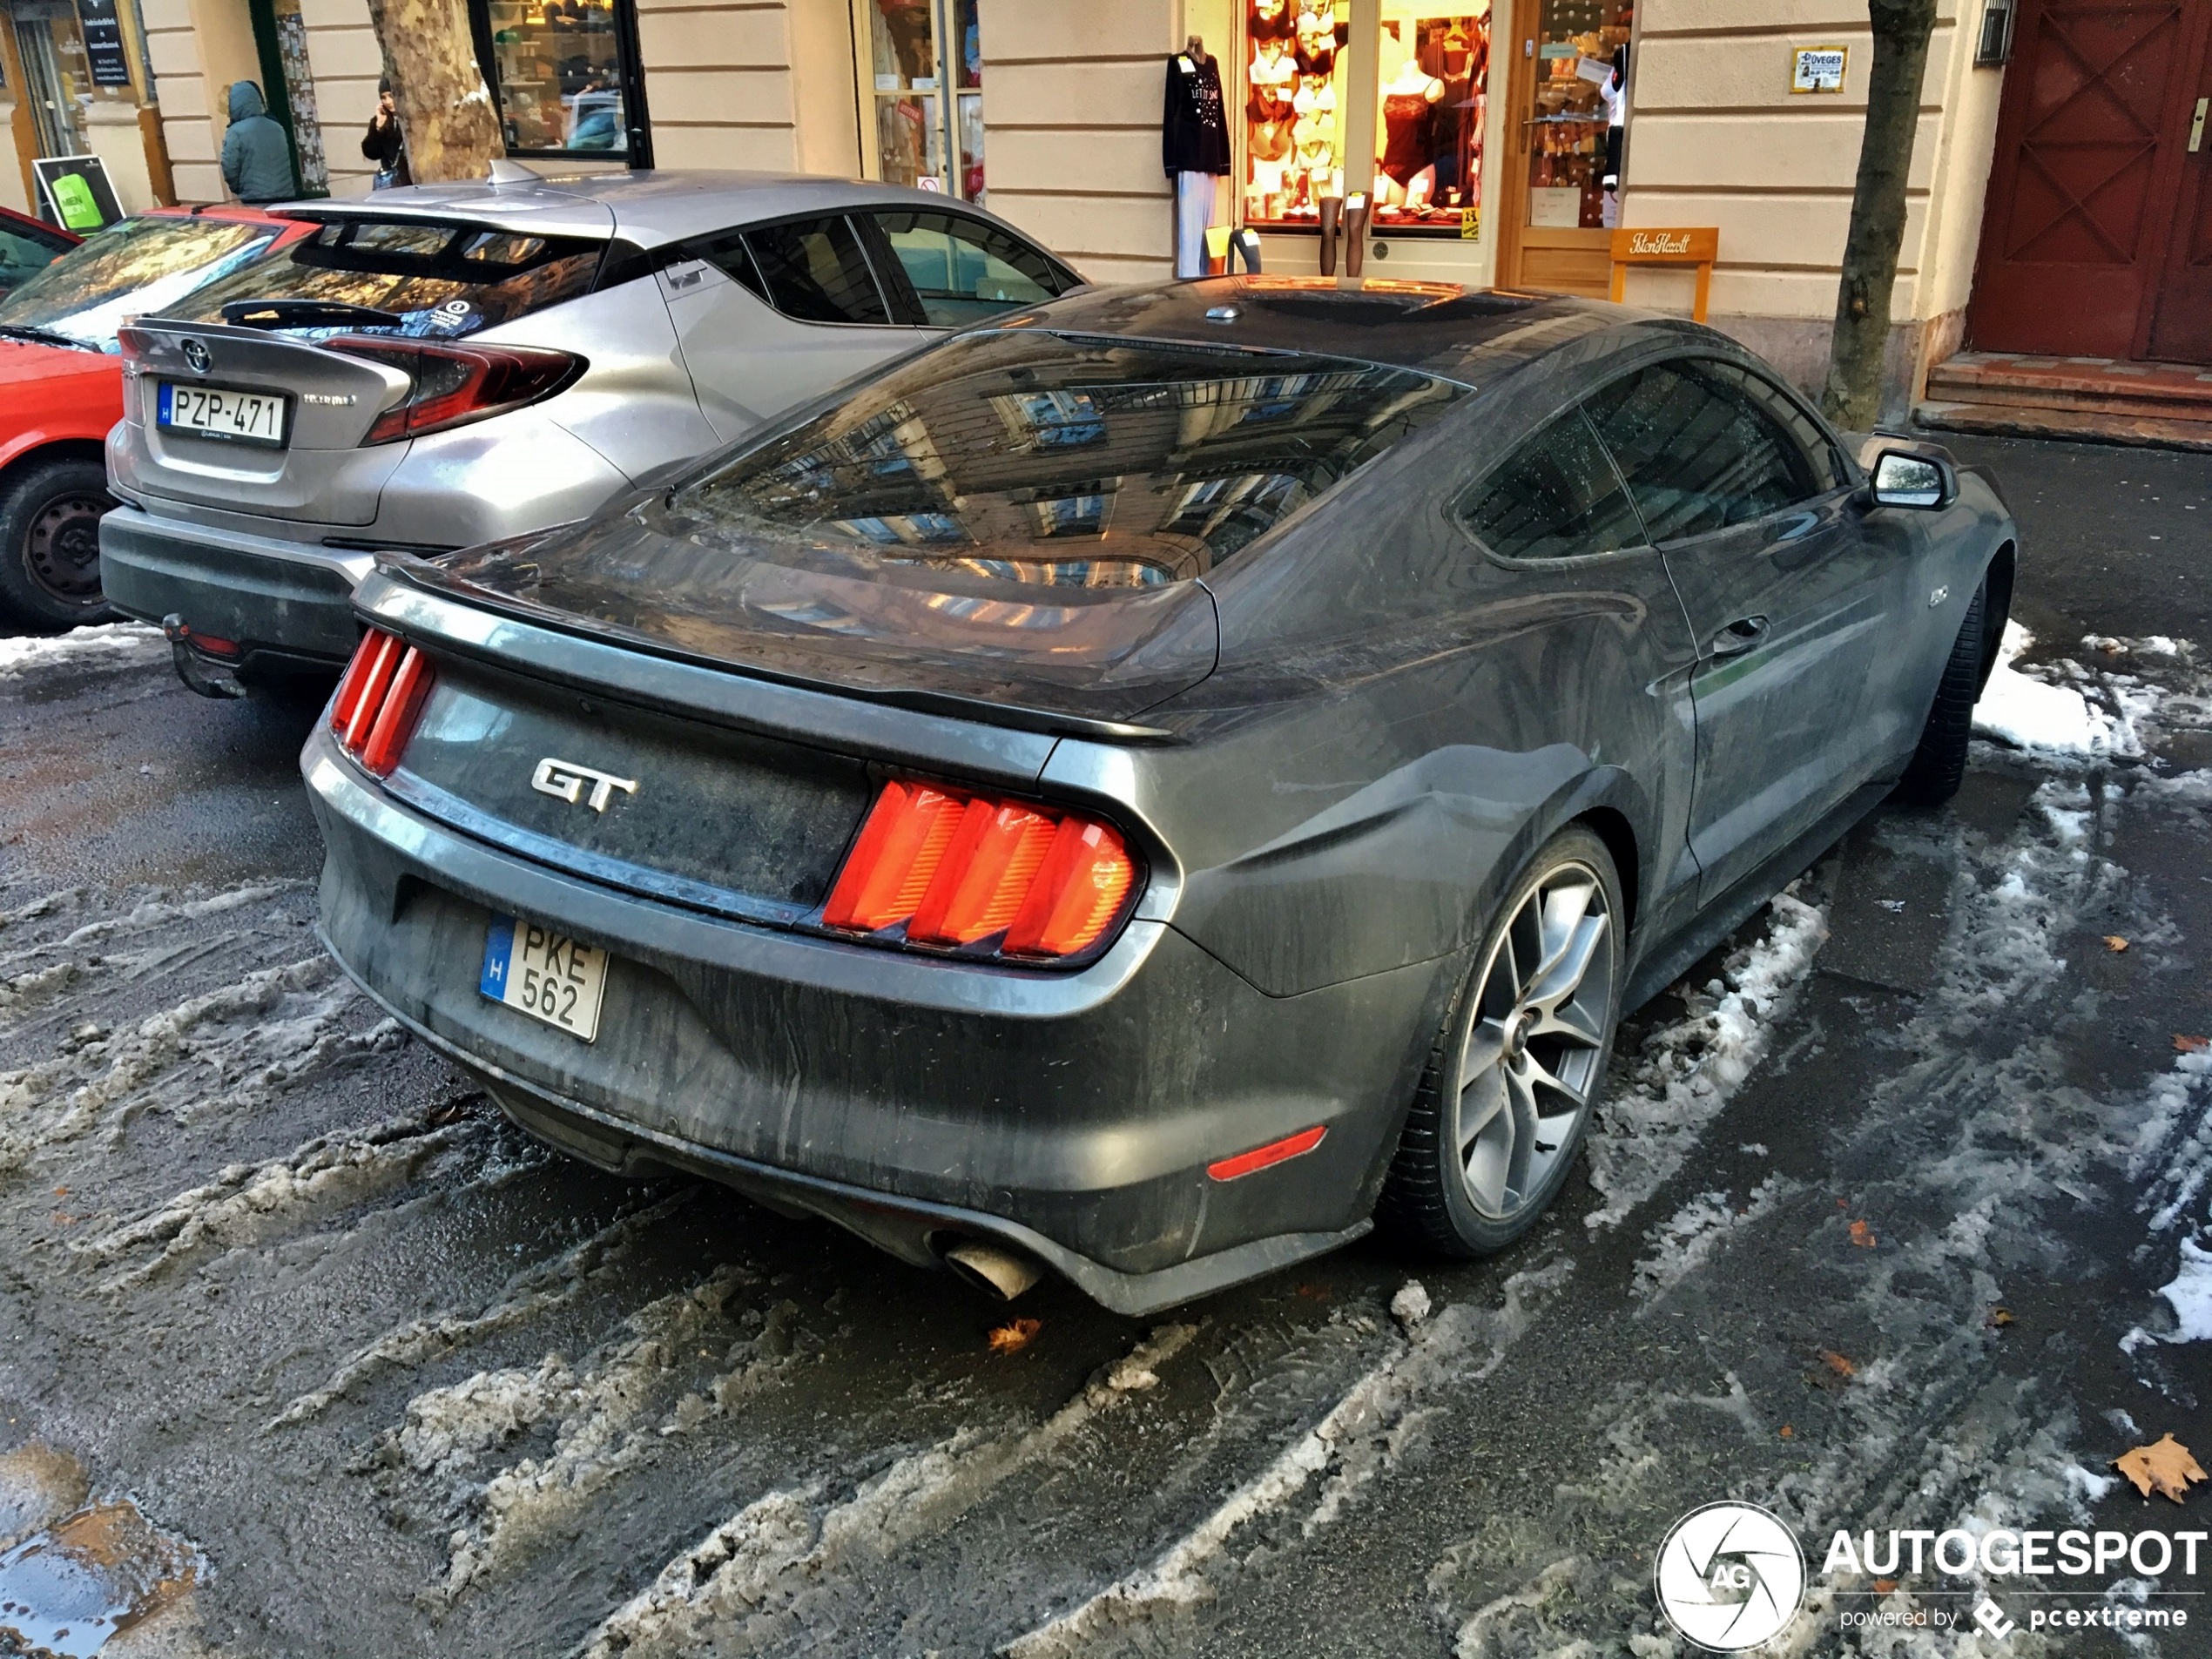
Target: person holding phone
x=384 y=144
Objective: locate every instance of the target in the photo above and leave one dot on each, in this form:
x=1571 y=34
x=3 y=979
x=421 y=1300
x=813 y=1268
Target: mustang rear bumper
x=915 y=1101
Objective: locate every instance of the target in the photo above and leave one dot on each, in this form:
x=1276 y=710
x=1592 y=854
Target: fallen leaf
x=1884 y=1586
x=60 y=1192
x=1862 y=1235
x=2114 y=943
x=1788 y=1433
x=1314 y=1292
x=1837 y=1363
x=1014 y=1336
x=2000 y=1317
x=1842 y=1203
x=2164 y=1466
x=2190 y=1045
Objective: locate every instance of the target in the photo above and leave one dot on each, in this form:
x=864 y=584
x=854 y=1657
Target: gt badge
x=564 y=780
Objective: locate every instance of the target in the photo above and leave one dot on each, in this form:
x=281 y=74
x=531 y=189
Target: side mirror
x=1905 y=480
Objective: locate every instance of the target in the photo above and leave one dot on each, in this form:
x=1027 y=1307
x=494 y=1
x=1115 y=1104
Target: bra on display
x=1271 y=20
x=1271 y=70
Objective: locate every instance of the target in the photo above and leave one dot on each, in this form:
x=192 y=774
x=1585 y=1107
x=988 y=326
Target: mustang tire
x=50 y=544
x=1517 y=1069
x=1939 y=764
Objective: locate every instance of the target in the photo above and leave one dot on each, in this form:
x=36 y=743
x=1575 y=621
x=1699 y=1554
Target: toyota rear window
x=1067 y=461
x=401 y=277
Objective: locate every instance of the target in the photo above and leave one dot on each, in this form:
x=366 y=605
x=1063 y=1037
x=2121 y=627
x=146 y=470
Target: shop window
x=1295 y=66
x=923 y=74
x=1432 y=92
x=1577 y=42
x=564 y=73
x=72 y=60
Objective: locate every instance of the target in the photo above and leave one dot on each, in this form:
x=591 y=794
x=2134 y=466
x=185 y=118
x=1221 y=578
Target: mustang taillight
x=380 y=699
x=451 y=385
x=958 y=868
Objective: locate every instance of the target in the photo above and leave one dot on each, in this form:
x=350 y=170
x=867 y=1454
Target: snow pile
x=110 y=642
x=1687 y=1071
x=2034 y=712
x=2191 y=1295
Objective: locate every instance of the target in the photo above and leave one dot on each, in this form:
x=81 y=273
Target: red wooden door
x=2090 y=137
x=2180 y=329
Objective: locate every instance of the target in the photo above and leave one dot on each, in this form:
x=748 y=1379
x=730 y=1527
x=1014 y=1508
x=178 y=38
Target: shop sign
x=1818 y=68
x=103 y=42
x=1471 y=223
x=77 y=193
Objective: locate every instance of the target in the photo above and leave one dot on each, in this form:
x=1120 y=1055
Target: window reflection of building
x=1017 y=452
x=560 y=68
x=922 y=73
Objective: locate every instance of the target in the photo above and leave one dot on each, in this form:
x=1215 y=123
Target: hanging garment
x=1193 y=212
x=1270 y=20
x=1194 y=130
x=1274 y=71
x=1406 y=124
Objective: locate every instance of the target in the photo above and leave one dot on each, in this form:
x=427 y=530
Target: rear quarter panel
x=1398 y=720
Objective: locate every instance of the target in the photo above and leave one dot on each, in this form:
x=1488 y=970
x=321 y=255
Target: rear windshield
x=401 y=277
x=138 y=266
x=1068 y=460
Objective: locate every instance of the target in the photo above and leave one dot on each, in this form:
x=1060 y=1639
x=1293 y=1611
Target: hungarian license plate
x=547 y=975
x=222 y=412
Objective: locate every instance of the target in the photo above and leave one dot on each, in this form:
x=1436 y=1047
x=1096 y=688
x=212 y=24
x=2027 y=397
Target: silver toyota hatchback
x=448 y=365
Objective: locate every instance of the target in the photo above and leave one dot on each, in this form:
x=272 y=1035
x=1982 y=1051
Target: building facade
x=2052 y=154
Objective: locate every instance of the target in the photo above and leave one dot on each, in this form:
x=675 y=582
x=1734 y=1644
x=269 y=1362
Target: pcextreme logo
x=1732 y=1576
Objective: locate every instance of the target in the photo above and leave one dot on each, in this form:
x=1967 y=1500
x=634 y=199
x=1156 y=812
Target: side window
x=961 y=270
x=814 y=271
x=1827 y=468
x=1555 y=497
x=728 y=253
x=22 y=256
x=1699 y=454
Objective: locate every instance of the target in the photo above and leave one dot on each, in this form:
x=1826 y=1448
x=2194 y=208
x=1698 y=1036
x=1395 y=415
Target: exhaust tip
x=1005 y=1273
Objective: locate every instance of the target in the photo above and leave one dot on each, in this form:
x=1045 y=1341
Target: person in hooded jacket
x=257 y=157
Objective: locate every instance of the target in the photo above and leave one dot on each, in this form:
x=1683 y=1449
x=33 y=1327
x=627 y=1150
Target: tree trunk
x=1852 y=397
x=445 y=114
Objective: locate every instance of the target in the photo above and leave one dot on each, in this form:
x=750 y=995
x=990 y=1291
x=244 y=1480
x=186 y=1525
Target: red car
x=61 y=384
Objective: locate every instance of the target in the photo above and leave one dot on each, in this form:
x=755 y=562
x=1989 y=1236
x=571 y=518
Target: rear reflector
x=958 y=868
x=1260 y=1157
x=380 y=699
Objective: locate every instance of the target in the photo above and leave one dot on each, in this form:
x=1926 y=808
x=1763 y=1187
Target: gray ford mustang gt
x=1145 y=788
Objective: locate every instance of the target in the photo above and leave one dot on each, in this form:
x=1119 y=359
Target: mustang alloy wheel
x=1517 y=1070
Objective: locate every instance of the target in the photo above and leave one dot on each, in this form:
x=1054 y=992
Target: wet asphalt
x=400 y=1382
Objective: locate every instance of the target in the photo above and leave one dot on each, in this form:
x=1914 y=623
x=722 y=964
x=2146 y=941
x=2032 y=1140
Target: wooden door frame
x=1512 y=194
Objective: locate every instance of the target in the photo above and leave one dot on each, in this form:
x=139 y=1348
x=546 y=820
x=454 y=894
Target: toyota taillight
x=953 y=869
x=380 y=699
x=450 y=385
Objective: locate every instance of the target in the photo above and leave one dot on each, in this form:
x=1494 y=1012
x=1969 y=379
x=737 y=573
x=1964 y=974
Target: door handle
x=1739 y=636
x=2197 y=125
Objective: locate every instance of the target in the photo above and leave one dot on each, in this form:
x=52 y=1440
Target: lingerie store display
x=1434 y=97
x=1294 y=62
x=1579 y=113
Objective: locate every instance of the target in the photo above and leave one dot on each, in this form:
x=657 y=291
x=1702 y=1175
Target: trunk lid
x=321 y=473
x=882 y=629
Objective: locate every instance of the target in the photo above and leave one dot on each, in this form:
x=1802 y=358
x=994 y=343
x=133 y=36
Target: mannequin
x=1405 y=173
x=1194 y=149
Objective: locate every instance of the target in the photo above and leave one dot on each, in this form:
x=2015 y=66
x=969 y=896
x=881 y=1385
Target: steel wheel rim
x=1527 y=1061
x=63 y=547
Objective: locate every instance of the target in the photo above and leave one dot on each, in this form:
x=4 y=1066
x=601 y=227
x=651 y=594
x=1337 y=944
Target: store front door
x=1555 y=238
x=2097 y=240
